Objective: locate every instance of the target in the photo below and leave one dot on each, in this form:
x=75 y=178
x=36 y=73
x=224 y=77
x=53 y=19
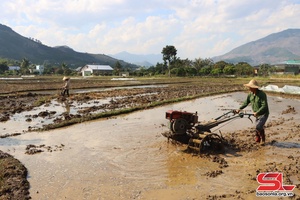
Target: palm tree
x=24 y=66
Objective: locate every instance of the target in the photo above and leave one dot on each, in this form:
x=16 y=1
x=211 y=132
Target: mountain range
x=142 y=60
x=272 y=49
x=16 y=47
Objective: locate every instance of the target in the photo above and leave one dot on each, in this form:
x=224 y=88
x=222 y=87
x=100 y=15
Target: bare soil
x=18 y=97
x=13 y=178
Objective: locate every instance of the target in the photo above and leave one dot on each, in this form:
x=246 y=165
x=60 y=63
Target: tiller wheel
x=206 y=142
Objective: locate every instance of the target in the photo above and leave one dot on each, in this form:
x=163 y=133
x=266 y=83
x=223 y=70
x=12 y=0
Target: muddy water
x=19 y=123
x=26 y=120
x=97 y=89
x=126 y=157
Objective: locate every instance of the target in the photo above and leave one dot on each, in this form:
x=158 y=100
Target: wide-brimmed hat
x=252 y=84
x=65 y=78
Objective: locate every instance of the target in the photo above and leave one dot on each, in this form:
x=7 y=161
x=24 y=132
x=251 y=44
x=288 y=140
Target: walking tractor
x=185 y=128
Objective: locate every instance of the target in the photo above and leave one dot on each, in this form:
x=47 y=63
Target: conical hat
x=252 y=84
x=66 y=78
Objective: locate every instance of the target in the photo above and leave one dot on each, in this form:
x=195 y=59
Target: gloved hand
x=236 y=111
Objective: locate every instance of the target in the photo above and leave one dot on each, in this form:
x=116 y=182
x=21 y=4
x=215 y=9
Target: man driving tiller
x=259 y=103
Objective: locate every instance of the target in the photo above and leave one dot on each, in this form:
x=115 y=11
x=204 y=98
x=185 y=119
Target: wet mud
x=33 y=149
x=127 y=157
x=32 y=111
x=13 y=182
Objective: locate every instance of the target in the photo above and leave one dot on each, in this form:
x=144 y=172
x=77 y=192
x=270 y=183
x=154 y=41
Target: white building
x=89 y=70
x=11 y=68
x=40 y=69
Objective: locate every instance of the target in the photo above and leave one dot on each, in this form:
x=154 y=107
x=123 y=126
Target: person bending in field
x=66 y=86
x=258 y=100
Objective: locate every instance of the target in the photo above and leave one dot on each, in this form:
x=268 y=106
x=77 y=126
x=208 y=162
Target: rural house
x=289 y=67
x=89 y=70
x=11 y=68
x=39 y=69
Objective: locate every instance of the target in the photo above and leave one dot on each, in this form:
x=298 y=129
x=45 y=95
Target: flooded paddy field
x=126 y=156
x=37 y=110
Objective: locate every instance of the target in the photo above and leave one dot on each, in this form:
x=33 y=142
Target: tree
x=229 y=70
x=24 y=66
x=264 y=69
x=180 y=71
x=169 y=56
x=58 y=70
x=243 y=68
x=191 y=71
x=66 y=69
x=160 y=69
x=151 y=70
x=205 y=70
x=117 y=68
x=216 y=72
x=127 y=68
x=201 y=63
x=25 y=63
x=3 y=66
x=141 y=71
x=48 y=68
x=220 y=65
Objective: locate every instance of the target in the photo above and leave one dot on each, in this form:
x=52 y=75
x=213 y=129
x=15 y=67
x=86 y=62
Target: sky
x=196 y=28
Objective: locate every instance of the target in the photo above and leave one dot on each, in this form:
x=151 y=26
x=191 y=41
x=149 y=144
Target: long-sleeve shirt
x=258 y=102
x=67 y=84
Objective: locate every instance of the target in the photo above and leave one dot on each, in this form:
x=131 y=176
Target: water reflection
x=286 y=144
x=98 y=89
x=66 y=105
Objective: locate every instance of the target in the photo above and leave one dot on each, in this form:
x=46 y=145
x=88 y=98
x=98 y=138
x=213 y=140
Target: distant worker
x=66 y=86
x=258 y=100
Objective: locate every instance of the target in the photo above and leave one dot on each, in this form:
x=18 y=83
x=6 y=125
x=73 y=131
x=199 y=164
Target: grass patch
x=42 y=100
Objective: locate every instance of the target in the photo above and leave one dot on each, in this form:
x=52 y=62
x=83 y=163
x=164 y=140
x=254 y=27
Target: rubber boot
x=257 y=136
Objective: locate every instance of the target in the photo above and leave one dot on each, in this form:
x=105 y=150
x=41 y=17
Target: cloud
x=141 y=37
x=197 y=28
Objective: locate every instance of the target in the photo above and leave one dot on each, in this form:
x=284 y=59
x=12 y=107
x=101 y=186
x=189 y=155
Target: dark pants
x=260 y=122
x=260 y=131
x=65 y=91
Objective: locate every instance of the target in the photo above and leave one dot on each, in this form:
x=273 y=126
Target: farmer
x=66 y=86
x=258 y=100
